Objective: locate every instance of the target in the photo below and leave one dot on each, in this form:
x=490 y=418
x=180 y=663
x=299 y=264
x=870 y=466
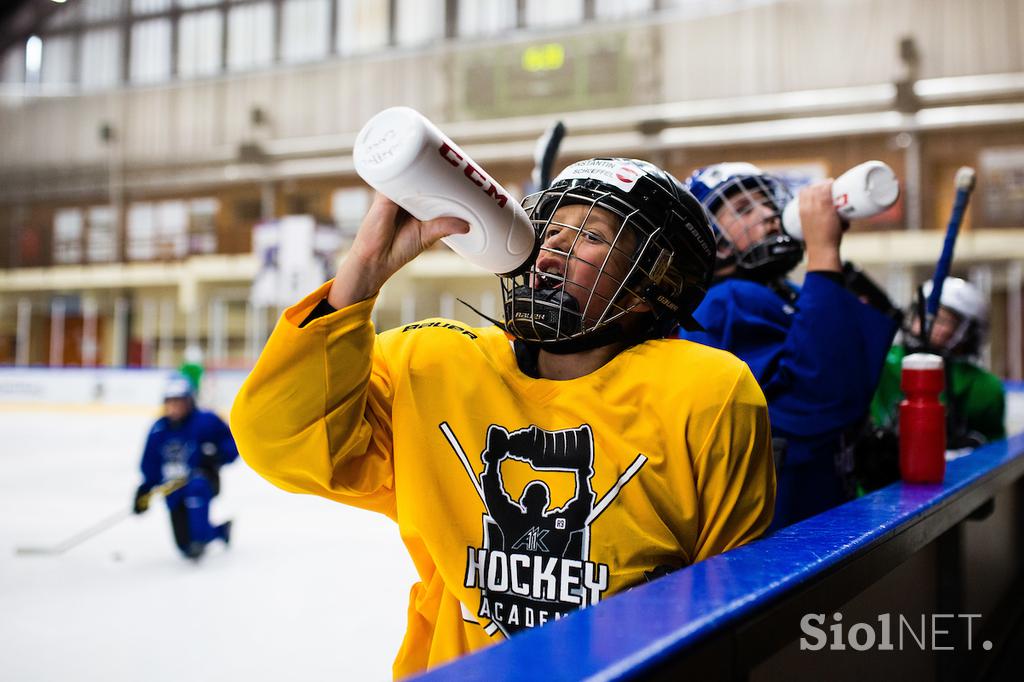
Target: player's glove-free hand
x=141 y=500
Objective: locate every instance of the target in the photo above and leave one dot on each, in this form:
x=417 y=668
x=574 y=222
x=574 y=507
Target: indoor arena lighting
x=33 y=54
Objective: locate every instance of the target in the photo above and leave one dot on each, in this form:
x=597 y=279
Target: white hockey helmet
x=964 y=299
x=178 y=386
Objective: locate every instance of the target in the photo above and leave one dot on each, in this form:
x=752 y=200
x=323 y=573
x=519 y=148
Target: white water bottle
x=861 y=192
x=405 y=157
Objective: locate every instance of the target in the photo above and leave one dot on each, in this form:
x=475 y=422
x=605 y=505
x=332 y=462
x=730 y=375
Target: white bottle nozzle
x=861 y=192
x=407 y=158
x=921 y=361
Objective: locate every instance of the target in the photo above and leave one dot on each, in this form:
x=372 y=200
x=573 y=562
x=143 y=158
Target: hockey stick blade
x=96 y=528
x=23 y=551
x=76 y=539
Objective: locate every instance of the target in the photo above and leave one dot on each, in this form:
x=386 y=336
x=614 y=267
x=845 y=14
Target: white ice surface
x=309 y=589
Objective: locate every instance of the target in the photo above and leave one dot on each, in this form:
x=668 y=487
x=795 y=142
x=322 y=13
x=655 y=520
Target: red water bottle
x=922 y=420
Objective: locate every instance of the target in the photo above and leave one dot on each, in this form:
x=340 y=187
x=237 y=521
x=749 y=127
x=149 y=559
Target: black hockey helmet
x=670 y=264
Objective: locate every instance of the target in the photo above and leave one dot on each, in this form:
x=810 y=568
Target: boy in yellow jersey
x=536 y=474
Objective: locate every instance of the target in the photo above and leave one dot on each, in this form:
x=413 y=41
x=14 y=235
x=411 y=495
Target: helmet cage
x=962 y=299
x=537 y=308
x=739 y=196
x=967 y=338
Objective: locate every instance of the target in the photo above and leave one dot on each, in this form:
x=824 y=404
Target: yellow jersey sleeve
x=314 y=415
x=735 y=472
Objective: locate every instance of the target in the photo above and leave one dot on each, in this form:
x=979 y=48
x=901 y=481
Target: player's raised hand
x=822 y=227
x=497 y=445
x=387 y=239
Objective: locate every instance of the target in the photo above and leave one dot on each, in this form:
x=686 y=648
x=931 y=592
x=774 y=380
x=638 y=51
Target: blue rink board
x=628 y=634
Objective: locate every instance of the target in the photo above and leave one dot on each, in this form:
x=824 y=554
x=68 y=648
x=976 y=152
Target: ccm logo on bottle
x=475 y=175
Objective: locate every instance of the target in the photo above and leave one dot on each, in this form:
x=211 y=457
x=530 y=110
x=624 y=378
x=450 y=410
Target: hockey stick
x=964 y=186
x=97 y=528
x=457 y=447
x=544 y=155
x=629 y=473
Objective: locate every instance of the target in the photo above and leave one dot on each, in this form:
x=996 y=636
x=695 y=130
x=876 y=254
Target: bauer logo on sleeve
x=612 y=172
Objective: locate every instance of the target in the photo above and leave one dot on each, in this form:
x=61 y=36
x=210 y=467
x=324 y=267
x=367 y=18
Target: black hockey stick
x=97 y=528
x=544 y=155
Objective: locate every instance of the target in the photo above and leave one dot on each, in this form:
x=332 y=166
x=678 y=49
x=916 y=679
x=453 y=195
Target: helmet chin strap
x=612 y=332
x=770 y=258
x=951 y=347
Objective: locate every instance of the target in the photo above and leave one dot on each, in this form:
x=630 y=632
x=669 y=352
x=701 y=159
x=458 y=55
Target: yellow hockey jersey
x=519 y=499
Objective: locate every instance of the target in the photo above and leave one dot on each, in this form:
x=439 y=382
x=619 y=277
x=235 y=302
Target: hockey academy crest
x=533 y=563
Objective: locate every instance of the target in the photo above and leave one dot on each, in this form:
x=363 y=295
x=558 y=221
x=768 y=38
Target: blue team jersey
x=818 y=359
x=175 y=451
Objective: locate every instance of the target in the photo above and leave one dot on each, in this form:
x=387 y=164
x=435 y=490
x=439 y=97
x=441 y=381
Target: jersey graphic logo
x=174 y=457
x=534 y=539
x=533 y=565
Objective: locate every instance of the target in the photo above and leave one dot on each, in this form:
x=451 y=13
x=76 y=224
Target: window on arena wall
x=150 y=51
x=542 y=13
x=304 y=25
x=622 y=9
x=101 y=238
x=149 y=6
x=202 y=225
x=101 y=10
x=67 y=236
x=199 y=43
x=100 y=64
x=197 y=3
x=141 y=232
x=158 y=230
x=485 y=17
x=418 y=22
x=250 y=36
x=57 y=65
x=699 y=4
x=1001 y=200
x=362 y=26
x=171 y=230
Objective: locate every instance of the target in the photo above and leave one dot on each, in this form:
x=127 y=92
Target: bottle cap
x=922 y=361
x=389 y=143
x=405 y=157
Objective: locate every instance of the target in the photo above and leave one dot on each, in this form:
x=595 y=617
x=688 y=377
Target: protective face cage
x=744 y=198
x=967 y=338
x=661 y=254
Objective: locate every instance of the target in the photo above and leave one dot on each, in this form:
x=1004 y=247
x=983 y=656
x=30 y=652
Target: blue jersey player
x=185 y=449
x=817 y=350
